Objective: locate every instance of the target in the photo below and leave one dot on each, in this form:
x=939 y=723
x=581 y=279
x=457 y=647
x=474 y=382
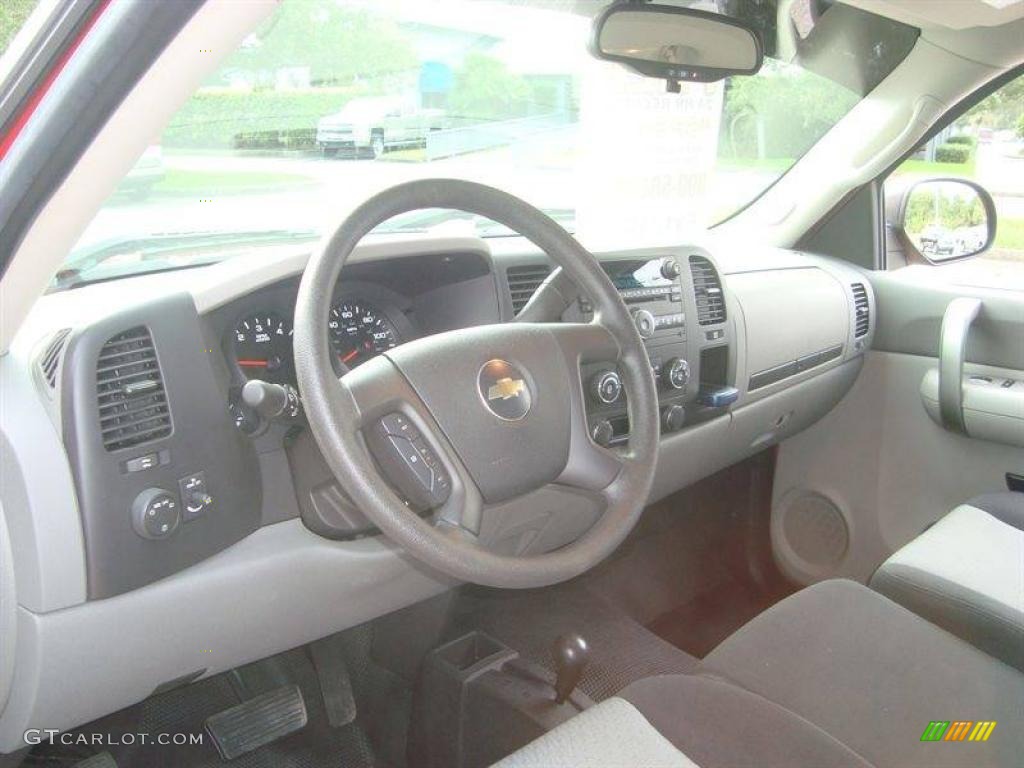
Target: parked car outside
x=375 y=125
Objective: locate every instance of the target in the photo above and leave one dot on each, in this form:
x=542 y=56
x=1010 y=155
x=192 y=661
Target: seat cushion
x=1007 y=506
x=611 y=734
x=718 y=724
x=873 y=676
x=966 y=574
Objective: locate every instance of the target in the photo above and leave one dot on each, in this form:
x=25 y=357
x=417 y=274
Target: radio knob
x=673 y=418
x=644 y=322
x=603 y=432
x=675 y=373
x=155 y=513
x=606 y=387
x=670 y=269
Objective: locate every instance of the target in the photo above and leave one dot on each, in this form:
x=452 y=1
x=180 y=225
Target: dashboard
x=140 y=400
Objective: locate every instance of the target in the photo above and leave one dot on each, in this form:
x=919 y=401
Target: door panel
x=888 y=468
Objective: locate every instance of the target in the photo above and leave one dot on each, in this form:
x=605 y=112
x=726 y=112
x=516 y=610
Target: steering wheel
x=501 y=407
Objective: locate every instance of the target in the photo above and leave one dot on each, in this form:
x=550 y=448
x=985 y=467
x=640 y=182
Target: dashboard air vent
x=861 y=311
x=523 y=282
x=50 y=361
x=132 y=403
x=707 y=290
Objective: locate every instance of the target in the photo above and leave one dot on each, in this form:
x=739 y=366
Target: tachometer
x=360 y=331
x=263 y=347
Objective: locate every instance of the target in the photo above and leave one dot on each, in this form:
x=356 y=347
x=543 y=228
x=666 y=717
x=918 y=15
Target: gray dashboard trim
x=44 y=525
x=232 y=279
x=279 y=588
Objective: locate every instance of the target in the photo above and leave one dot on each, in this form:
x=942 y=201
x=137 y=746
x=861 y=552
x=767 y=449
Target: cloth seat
x=836 y=675
x=966 y=574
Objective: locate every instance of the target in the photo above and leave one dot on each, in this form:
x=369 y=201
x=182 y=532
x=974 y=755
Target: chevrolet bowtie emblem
x=505 y=389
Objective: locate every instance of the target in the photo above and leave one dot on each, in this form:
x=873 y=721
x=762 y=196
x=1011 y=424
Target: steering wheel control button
x=504 y=390
x=675 y=373
x=645 y=323
x=409 y=462
x=155 y=513
x=398 y=424
x=606 y=387
x=195 y=497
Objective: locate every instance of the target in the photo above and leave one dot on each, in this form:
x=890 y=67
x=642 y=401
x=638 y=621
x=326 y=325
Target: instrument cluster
x=359 y=329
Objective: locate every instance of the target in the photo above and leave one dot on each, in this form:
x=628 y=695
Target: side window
x=934 y=221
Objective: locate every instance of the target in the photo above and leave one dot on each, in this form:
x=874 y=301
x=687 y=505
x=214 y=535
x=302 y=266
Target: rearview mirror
x=947 y=219
x=677 y=44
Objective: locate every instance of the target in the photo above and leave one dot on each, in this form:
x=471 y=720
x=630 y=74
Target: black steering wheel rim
x=338 y=410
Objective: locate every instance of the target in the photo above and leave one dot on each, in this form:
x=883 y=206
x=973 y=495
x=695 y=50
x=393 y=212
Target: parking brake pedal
x=258 y=721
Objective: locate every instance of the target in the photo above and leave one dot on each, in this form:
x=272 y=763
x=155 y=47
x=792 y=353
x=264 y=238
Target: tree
x=795 y=108
x=485 y=90
x=1000 y=110
x=13 y=14
x=339 y=45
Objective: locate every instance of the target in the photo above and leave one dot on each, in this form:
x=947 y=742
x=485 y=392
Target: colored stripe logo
x=958 y=730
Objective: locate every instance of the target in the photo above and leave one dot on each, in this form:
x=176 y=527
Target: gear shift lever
x=571 y=656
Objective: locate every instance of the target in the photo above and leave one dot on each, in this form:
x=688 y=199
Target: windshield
x=332 y=100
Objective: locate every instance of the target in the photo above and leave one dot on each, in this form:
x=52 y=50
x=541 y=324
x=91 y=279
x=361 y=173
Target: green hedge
x=962 y=140
x=256 y=120
x=952 y=153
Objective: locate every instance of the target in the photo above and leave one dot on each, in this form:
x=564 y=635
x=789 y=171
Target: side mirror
x=947 y=219
x=676 y=44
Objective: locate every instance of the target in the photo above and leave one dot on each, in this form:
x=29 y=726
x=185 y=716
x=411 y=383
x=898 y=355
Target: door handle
x=956 y=323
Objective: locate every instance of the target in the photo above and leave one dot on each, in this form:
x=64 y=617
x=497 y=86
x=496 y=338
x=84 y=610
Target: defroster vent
x=132 y=402
x=707 y=289
x=523 y=282
x=861 y=310
x=49 y=363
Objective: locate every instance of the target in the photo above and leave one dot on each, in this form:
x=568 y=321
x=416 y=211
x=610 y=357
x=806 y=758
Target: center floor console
x=679 y=308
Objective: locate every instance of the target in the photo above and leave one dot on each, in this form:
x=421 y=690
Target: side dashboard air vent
x=523 y=282
x=707 y=289
x=861 y=310
x=130 y=389
x=49 y=363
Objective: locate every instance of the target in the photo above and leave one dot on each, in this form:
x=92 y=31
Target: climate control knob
x=606 y=387
x=675 y=373
x=155 y=513
x=644 y=322
x=673 y=418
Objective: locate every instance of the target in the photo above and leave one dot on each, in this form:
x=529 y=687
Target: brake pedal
x=258 y=721
x=335 y=682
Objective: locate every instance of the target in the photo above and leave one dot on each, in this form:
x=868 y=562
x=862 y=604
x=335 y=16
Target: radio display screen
x=637 y=274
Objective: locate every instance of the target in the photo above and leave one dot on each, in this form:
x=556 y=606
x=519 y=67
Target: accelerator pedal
x=335 y=682
x=258 y=721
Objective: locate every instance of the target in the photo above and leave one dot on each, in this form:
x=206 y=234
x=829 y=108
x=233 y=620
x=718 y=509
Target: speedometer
x=263 y=347
x=360 y=331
